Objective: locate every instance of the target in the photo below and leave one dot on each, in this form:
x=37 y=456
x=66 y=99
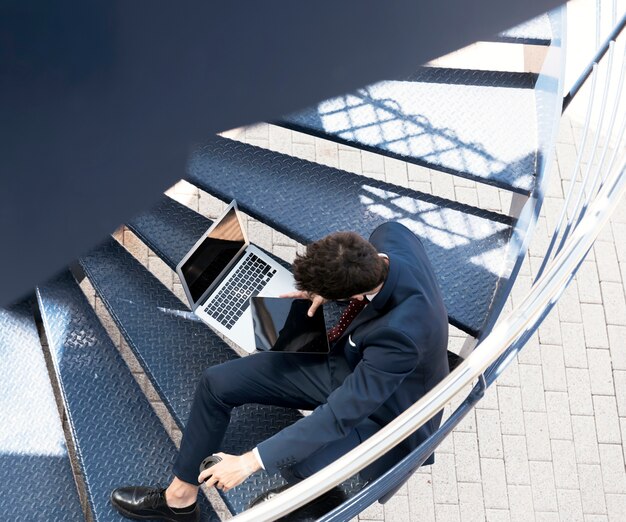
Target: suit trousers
x=290 y=380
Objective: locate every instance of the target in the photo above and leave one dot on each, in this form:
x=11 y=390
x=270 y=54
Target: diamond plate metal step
x=479 y=125
x=174 y=350
x=170 y=229
x=36 y=481
x=536 y=31
x=118 y=437
x=468 y=247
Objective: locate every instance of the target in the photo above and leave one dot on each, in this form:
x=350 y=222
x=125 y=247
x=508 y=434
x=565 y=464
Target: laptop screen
x=213 y=255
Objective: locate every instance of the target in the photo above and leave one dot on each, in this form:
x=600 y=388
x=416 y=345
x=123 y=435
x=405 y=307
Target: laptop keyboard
x=233 y=299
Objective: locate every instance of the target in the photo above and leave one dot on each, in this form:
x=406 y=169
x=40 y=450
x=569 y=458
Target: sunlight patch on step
x=445 y=227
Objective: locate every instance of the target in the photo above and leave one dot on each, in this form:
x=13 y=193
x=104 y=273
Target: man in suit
x=388 y=350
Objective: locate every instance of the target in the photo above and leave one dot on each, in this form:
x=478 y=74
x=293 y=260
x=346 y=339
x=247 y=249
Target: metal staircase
x=493 y=127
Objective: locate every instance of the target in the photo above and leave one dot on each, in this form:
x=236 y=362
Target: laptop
x=223 y=270
x=282 y=325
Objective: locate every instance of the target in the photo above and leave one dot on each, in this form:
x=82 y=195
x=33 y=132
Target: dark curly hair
x=339 y=266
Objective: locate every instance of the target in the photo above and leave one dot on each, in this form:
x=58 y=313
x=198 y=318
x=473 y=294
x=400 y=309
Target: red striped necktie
x=348 y=315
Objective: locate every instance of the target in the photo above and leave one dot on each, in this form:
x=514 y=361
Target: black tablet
x=282 y=325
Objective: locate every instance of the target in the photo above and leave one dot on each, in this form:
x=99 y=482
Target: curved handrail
x=523 y=319
x=598 y=56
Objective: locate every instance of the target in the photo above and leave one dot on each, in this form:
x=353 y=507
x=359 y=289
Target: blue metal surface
x=536 y=31
x=475 y=124
x=169 y=229
x=118 y=437
x=468 y=247
x=36 y=482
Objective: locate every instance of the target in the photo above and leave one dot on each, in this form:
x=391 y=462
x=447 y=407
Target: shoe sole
x=131 y=515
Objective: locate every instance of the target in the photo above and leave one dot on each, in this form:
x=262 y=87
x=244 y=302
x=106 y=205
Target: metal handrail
x=583 y=194
x=523 y=319
x=598 y=56
x=591 y=70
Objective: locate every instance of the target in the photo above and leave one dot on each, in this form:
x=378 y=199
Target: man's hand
x=231 y=471
x=317 y=300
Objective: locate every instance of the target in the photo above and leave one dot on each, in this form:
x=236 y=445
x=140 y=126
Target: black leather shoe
x=309 y=512
x=140 y=502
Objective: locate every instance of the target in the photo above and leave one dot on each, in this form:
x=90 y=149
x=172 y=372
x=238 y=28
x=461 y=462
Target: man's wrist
x=250 y=463
x=255 y=450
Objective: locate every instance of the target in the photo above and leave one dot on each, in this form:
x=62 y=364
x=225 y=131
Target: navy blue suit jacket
x=396 y=349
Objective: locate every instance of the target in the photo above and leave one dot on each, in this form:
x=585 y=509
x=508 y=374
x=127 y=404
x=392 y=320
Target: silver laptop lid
x=213 y=255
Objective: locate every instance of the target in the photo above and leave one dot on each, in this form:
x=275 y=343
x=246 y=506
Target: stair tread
x=118 y=436
x=169 y=229
x=29 y=408
x=536 y=31
x=468 y=247
x=174 y=348
x=475 y=124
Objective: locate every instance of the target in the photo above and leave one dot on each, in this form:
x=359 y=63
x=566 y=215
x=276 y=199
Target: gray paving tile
x=537 y=436
x=532 y=388
x=579 y=391
x=471 y=502
x=494 y=483
x=516 y=460
x=585 y=439
x=569 y=306
x=614 y=303
x=521 y=503
x=617 y=337
x=489 y=433
x=444 y=480
x=511 y=412
x=606 y=261
x=447 y=513
x=600 y=374
x=421 y=501
x=280 y=139
x=616 y=507
x=574 y=349
x=564 y=460
x=550 y=329
x=607 y=421
x=553 y=365
x=570 y=505
x=620 y=392
x=327 y=153
x=612 y=466
x=543 y=487
x=591 y=490
x=596 y=518
x=466 y=457
x=589 y=283
x=497 y=515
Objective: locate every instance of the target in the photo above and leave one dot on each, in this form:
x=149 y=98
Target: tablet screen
x=282 y=325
